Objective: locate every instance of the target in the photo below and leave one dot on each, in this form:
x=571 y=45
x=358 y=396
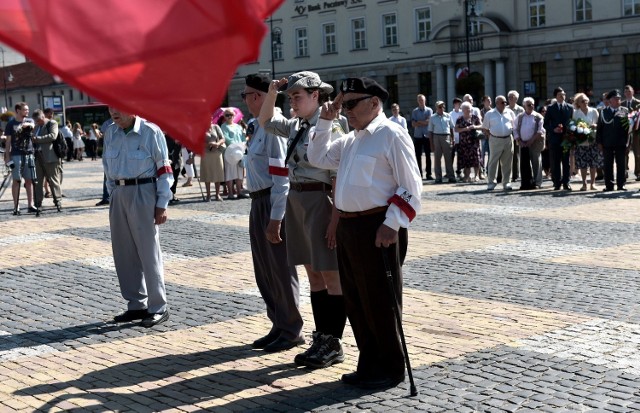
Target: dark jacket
x=557 y=116
x=613 y=129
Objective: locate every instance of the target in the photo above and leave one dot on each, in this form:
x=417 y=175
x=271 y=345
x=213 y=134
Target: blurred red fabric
x=169 y=61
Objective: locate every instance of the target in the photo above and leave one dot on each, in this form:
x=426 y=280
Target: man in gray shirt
x=420 y=123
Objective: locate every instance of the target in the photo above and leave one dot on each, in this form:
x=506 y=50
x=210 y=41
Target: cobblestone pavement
x=521 y=301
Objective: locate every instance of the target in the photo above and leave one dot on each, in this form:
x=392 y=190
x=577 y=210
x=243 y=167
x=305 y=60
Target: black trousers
x=366 y=294
x=615 y=154
x=559 y=159
x=515 y=166
x=70 y=152
x=423 y=145
x=526 y=170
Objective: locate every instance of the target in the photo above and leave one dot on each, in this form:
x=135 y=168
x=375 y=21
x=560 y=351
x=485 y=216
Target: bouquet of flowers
x=633 y=123
x=579 y=133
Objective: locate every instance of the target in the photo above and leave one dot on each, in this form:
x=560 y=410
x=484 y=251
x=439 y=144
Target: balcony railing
x=475 y=45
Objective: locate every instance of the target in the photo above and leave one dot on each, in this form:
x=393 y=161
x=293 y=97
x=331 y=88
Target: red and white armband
x=164 y=167
x=407 y=203
x=277 y=167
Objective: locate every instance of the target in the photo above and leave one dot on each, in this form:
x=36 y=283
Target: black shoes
x=130 y=315
x=556 y=187
x=566 y=187
x=282 y=344
x=354 y=379
x=325 y=351
x=174 y=200
x=607 y=189
x=329 y=353
x=622 y=188
x=103 y=202
x=316 y=342
x=16 y=211
x=268 y=339
x=32 y=210
x=152 y=319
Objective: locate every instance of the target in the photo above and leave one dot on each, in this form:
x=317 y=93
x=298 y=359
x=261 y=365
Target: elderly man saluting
x=377 y=192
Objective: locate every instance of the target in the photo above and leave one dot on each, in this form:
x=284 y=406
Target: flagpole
x=4 y=80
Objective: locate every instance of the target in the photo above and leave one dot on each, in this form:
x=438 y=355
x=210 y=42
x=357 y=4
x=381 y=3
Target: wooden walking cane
x=396 y=312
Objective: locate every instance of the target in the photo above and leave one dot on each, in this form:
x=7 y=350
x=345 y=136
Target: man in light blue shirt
x=139 y=177
x=441 y=135
x=420 y=122
x=268 y=185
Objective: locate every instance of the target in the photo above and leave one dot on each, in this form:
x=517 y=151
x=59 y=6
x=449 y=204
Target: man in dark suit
x=612 y=136
x=633 y=105
x=555 y=123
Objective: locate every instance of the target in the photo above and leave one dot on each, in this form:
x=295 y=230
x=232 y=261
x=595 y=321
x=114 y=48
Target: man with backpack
x=48 y=164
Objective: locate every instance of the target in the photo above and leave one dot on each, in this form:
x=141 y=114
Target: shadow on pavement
x=164 y=389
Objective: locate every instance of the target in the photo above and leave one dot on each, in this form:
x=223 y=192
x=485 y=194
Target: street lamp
x=4 y=80
x=468 y=14
x=276 y=41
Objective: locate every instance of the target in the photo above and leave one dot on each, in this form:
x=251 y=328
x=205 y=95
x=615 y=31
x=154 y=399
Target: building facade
x=422 y=46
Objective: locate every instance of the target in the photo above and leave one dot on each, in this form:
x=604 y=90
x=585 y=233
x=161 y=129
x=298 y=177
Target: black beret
x=557 y=90
x=258 y=81
x=365 y=86
x=615 y=93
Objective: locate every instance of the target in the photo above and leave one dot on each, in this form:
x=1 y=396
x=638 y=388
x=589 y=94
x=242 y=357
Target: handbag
x=477 y=134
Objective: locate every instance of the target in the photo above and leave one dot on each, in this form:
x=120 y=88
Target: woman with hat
x=311 y=218
x=233 y=135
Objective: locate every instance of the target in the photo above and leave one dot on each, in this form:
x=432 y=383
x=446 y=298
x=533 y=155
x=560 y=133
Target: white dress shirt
x=373 y=164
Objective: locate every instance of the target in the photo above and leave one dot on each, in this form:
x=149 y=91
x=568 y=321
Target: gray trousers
x=136 y=247
x=500 y=152
x=276 y=279
x=52 y=170
x=442 y=145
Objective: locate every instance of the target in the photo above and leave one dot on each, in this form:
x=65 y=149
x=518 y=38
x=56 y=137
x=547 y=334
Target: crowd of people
x=336 y=201
x=510 y=143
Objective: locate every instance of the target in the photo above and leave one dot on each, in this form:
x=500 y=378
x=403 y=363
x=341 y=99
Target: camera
x=10 y=164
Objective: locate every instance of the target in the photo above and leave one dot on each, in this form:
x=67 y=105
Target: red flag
x=169 y=61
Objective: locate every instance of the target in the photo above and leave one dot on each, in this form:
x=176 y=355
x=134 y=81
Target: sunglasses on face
x=352 y=103
x=228 y=115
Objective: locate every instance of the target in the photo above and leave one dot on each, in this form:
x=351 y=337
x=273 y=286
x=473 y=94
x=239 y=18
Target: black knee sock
x=337 y=316
x=319 y=309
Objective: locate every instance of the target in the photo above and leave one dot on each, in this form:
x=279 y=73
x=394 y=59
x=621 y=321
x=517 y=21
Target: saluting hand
x=330 y=110
x=276 y=84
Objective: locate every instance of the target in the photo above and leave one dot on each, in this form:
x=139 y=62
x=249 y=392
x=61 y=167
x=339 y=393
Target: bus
x=87 y=114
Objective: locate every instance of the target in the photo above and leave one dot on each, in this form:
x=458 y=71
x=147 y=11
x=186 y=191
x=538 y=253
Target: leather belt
x=260 y=193
x=371 y=211
x=309 y=186
x=501 y=137
x=135 y=181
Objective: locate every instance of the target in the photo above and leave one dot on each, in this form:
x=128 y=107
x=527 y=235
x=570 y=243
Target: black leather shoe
x=556 y=187
x=566 y=187
x=607 y=190
x=268 y=339
x=103 y=202
x=152 y=319
x=32 y=210
x=622 y=188
x=372 y=383
x=130 y=315
x=282 y=344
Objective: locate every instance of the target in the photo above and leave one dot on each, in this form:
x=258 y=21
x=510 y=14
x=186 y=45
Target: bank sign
x=327 y=5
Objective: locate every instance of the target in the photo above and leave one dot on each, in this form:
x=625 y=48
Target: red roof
x=27 y=75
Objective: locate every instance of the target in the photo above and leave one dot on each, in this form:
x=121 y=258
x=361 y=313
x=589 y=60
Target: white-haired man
x=529 y=134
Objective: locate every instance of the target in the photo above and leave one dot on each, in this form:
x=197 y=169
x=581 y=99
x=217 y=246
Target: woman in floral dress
x=588 y=155
x=469 y=146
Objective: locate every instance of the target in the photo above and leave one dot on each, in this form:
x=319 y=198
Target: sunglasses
x=244 y=95
x=352 y=103
x=228 y=115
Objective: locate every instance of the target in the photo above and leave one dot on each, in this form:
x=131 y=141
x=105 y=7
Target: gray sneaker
x=329 y=353
x=316 y=342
